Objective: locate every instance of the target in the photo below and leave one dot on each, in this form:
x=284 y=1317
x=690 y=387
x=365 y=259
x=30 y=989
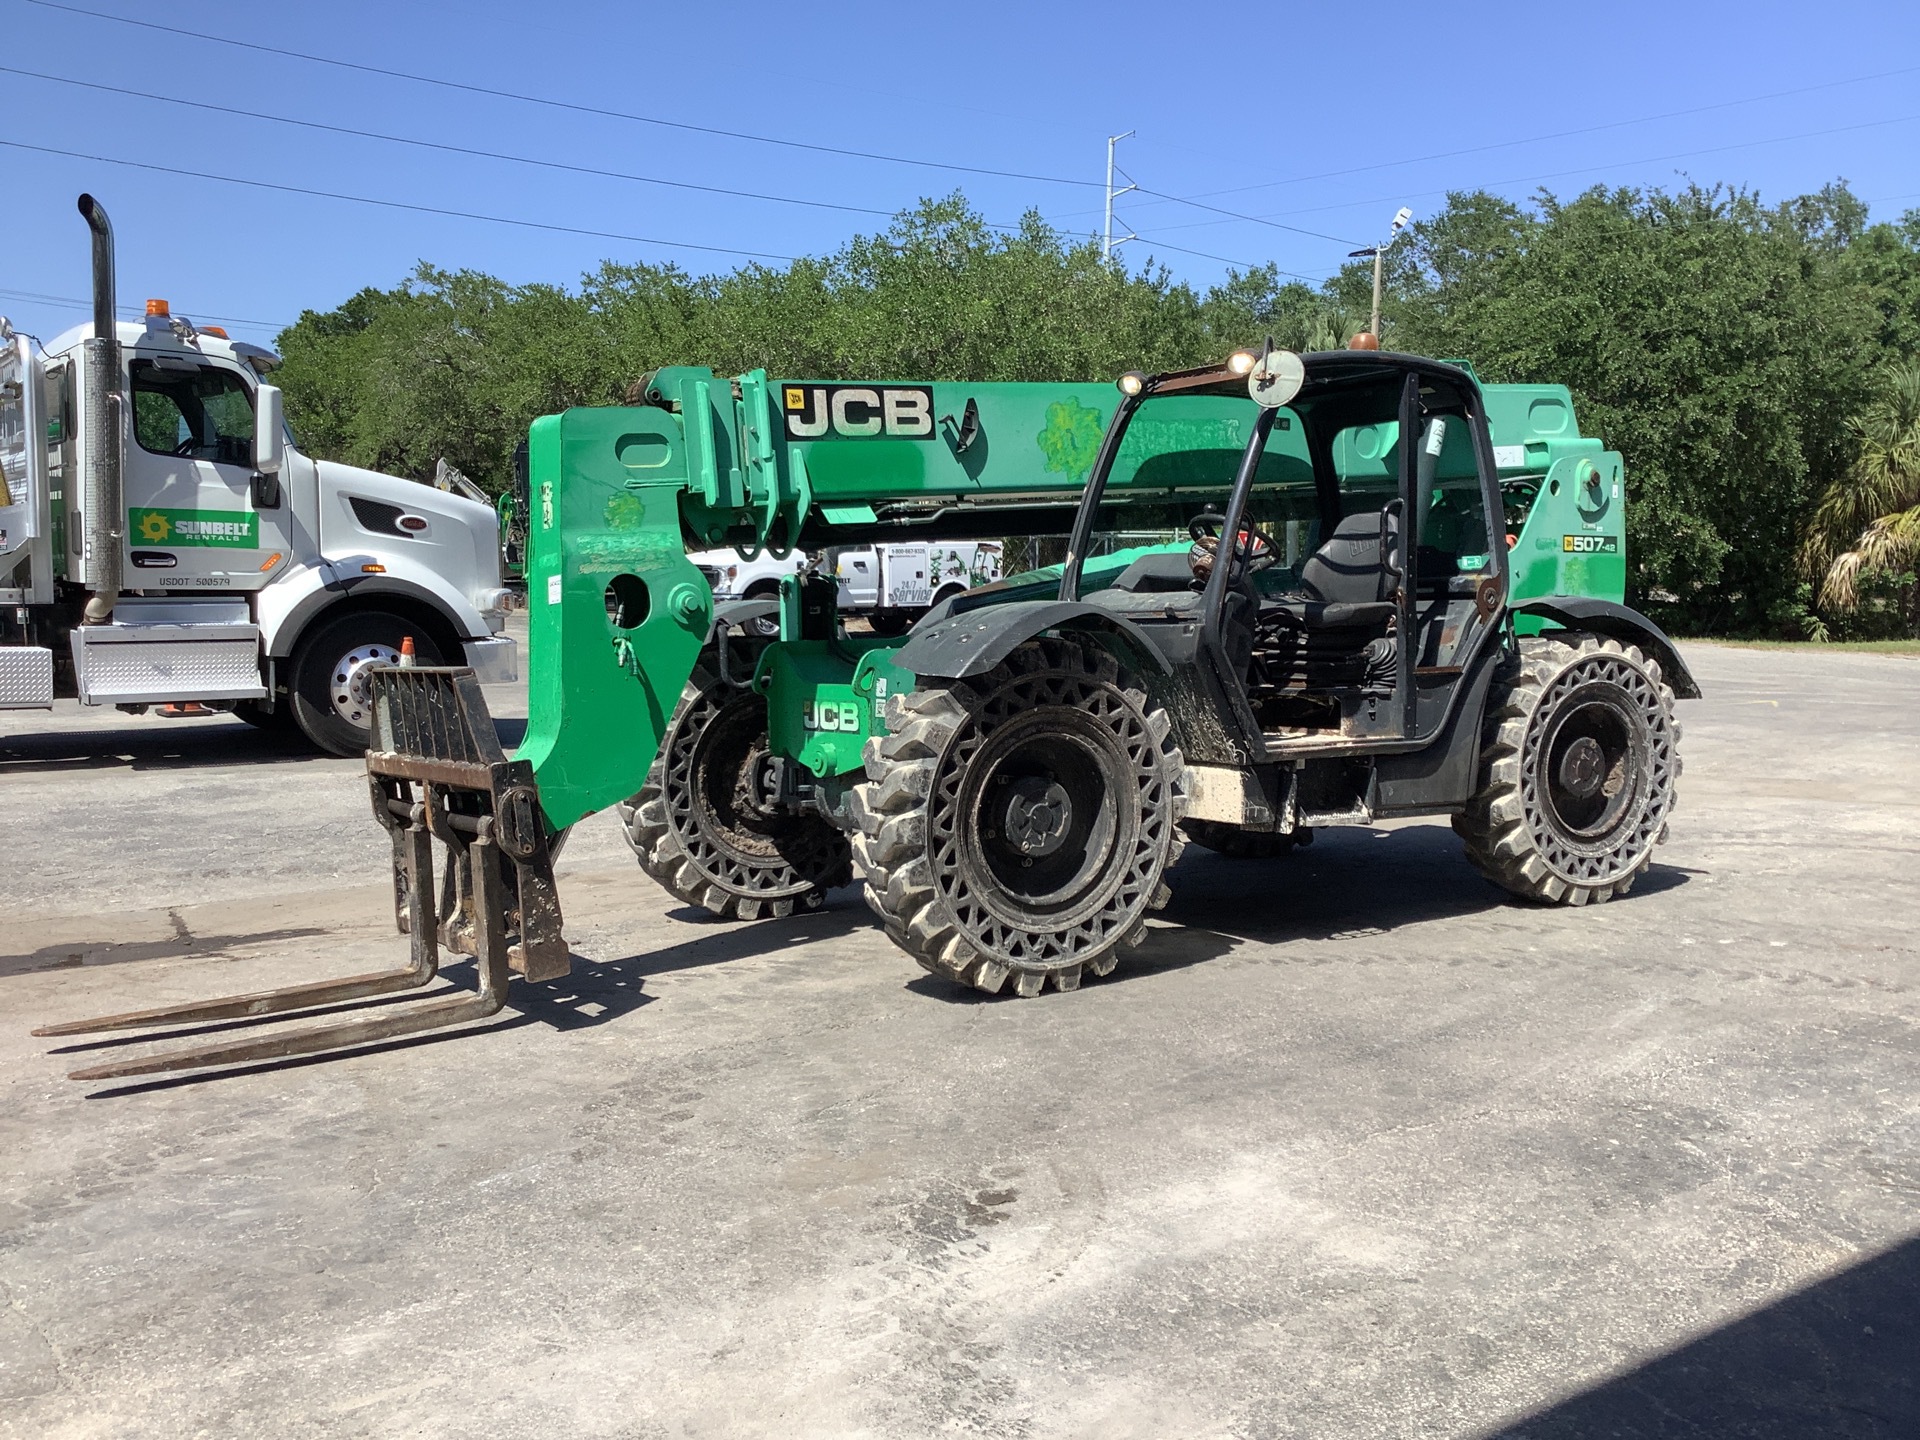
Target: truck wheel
x=1015 y=827
x=763 y=627
x=1577 y=773
x=279 y=718
x=328 y=692
x=1238 y=844
x=702 y=826
x=890 y=622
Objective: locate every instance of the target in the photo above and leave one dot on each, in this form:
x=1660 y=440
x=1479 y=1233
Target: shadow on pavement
x=1165 y=949
x=1840 y=1359
x=160 y=745
x=1349 y=884
x=596 y=992
x=90 y=953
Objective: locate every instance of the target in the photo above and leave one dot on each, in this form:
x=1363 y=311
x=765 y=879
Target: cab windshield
x=1333 y=453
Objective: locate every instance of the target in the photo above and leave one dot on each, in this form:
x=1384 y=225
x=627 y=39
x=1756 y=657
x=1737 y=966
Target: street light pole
x=1379 y=254
x=1379 y=261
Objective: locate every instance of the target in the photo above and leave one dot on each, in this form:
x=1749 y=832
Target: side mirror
x=269 y=430
x=1275 y=378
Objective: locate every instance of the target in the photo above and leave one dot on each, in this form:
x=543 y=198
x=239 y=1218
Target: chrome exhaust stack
x=104 y=493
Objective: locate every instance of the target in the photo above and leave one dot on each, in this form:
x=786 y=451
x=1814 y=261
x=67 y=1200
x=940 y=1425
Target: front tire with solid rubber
x=1015 y=827
x=704 y=826
x=1578 y=771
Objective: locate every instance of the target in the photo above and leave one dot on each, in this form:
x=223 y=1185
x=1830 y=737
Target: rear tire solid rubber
x=696 y=831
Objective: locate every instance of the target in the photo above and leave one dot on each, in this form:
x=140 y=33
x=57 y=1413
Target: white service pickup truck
x=891 y=585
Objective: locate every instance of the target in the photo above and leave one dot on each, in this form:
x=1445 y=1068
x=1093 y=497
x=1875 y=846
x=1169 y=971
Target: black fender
x=1616 y=622
x=974 y=641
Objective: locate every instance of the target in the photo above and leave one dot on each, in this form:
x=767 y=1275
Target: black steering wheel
x=1205 y=529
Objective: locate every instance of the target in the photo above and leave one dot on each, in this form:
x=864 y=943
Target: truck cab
x=165 y=541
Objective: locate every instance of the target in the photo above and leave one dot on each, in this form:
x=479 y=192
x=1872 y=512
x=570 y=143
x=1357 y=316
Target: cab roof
x=149 y=338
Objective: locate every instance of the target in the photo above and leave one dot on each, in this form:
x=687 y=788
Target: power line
x=437 y=145
x=1256 y=219
x=1587 y=169
x=566 y=104
x=73 y=302
x=1541 y=139
x=1224 y=260
x=398 y=204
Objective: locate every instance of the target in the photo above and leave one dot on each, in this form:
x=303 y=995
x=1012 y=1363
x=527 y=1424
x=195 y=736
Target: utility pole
x=1107 y=243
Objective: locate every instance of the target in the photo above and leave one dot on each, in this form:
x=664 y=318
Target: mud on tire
x=1015 y=827
x=697 y=826
x=1578 y=771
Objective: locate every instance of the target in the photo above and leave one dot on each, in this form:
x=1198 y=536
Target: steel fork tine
x=413 y=1019
x=421 y=968
x=259 y=1004
x=491 y=960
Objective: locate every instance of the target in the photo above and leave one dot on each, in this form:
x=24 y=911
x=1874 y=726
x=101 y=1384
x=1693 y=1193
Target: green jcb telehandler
x=1399 y=595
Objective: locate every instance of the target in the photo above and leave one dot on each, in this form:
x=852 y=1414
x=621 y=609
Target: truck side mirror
x=269 y=430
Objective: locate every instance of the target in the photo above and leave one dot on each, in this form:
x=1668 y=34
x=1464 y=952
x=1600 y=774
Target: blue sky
x=1320 y=117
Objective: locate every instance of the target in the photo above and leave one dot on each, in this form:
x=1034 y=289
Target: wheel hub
x=762 y=794
x=1583 y=767
x=348 y=684
x=1595 y=745
x=1038 y=815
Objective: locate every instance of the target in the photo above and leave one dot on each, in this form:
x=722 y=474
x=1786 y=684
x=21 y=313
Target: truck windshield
x=195 y=411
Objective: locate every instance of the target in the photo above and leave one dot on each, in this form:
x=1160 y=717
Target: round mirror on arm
x=1276 y=377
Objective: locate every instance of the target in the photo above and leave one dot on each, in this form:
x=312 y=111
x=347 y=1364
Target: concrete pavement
x=1351 y=1147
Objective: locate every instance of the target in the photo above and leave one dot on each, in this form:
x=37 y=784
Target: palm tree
x=1868 y=522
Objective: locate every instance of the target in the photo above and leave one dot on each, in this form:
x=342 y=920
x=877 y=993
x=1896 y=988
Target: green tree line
x=1754 y=363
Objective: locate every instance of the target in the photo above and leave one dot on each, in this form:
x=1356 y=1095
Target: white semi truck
x=163 y=541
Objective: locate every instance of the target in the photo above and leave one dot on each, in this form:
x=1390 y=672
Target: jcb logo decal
x=858 y=412
x=838 y=715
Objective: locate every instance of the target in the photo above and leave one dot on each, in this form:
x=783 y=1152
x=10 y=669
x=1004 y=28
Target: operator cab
x=1343 y=569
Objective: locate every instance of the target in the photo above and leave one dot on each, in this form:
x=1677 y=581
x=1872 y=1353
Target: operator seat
x=1343 y=584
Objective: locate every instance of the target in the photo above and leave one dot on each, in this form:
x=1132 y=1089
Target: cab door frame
x=204 y=489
